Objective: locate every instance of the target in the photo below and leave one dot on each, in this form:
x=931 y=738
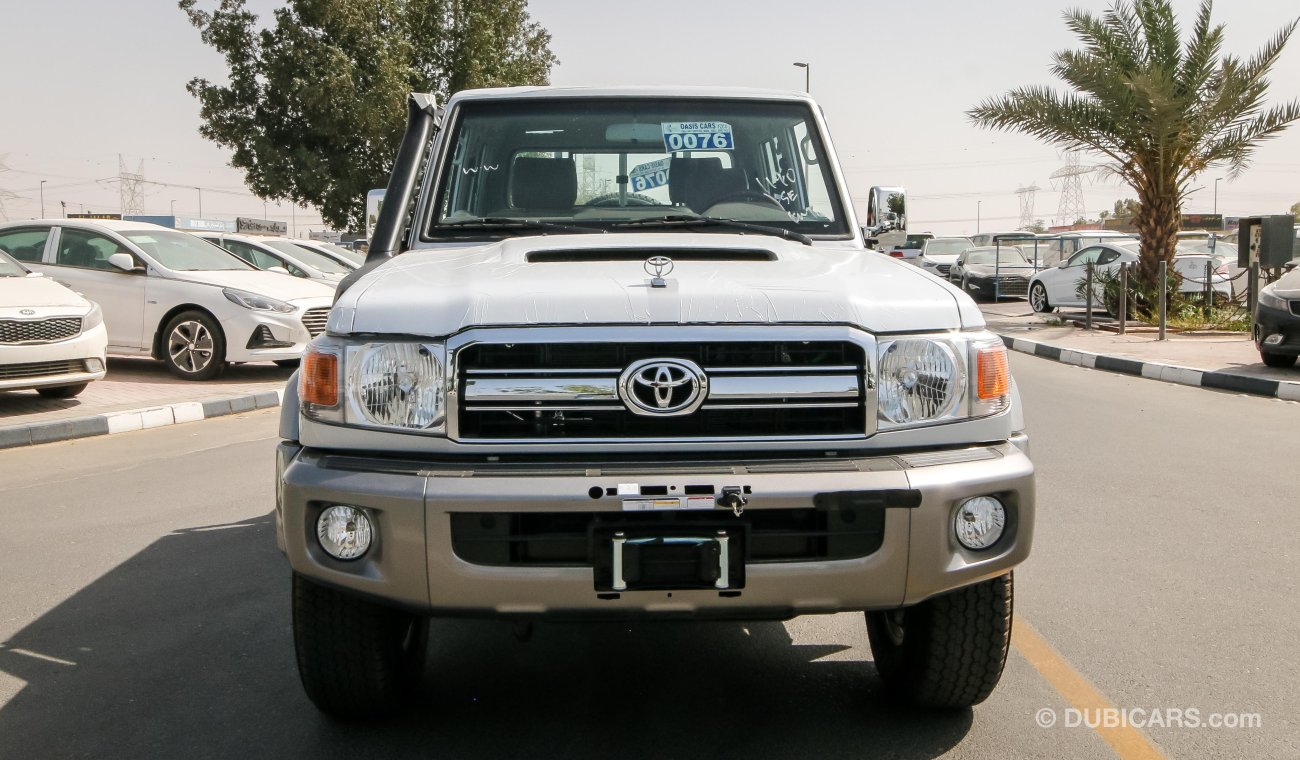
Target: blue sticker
x=649 y=175
x=697 y=135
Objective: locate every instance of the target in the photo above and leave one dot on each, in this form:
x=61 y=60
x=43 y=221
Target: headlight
x=919 y=381
x=94 y=318
x=927 y=380
x=376 y=385
x=257 y=303
x=1270 y=299
x=397 y=384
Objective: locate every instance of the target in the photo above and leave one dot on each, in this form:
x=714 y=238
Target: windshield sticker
x=697 y=135
x=649 y=175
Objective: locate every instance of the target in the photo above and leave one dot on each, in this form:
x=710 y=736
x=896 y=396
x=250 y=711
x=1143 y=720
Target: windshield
x=599 y=163
x=915 y=241
x=318 y=261
x=10 y=267
x=946 y=247
x=182 y=252
x=1002 y=256
x=347 y=253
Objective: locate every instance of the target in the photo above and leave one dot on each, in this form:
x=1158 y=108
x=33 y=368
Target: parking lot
x=154 y=619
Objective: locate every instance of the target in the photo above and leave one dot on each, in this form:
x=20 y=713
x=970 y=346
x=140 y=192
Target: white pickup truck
x=551 y=394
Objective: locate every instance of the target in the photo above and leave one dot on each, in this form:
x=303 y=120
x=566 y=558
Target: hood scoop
x=641 y=254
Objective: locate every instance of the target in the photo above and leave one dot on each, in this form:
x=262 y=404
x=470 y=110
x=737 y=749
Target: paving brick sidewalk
x=136 y=385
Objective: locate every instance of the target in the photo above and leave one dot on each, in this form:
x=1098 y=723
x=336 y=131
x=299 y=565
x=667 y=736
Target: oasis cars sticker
x=697 y=135
x=649 y=175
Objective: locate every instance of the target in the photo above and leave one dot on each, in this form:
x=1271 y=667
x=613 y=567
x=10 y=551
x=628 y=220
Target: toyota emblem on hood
x=663 y=387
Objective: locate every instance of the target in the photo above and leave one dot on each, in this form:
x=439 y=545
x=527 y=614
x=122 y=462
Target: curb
x=1169 y=373
x=112 y=423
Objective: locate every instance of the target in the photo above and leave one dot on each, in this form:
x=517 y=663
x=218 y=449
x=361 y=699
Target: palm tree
x=1160 y=109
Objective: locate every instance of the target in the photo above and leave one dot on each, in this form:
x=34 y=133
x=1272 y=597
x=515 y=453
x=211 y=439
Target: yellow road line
x=1128 y=742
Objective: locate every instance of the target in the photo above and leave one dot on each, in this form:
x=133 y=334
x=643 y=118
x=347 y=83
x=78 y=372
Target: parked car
x=910 y=248
x=938 y=254
x=1059 y=285
x=1277 y=321
x=985 y=239
x=1055 y=247
x=348 y=257
x=991 y=272
x=51 y=338
x=280 y=255
x=172 y=296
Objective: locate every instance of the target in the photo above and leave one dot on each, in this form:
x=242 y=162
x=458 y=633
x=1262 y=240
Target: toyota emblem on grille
x=663 y=387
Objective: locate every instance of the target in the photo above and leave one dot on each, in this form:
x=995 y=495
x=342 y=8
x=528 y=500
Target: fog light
x=979 y=522
x=344 y=532
x=1273 y=340
x=94 y=365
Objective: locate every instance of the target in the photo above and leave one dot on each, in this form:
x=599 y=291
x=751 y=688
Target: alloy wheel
x=190 y=346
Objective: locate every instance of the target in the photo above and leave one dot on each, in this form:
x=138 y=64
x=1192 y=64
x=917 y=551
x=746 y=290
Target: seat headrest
x=543 y=183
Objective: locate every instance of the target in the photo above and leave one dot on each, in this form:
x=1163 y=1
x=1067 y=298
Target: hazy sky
x=85 y=80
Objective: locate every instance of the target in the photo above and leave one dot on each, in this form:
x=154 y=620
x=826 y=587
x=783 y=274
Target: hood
x=38 y=292
x=1288 y=285
x=941 y=258
x=282 y=286
x=601 y=279
x=989 y=270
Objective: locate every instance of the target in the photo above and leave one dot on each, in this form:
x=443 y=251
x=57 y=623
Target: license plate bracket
x=659 y=559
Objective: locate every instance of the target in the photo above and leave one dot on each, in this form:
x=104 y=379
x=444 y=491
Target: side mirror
x=872 y=242
x=280 y=270
x=122 y=261
x=1064 y=263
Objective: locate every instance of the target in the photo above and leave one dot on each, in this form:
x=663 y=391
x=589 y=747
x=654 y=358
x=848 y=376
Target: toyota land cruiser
x=633 y=360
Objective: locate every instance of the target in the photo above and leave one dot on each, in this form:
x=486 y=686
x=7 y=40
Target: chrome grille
x=1013 y=285
x=39 y=330
x=944 y=269
x=314 y=320
x=40 y=369
x=755 y=390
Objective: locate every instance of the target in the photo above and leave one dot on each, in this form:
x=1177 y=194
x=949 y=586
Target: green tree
x=1126 y=208
x=314 y=107
x=1295 y=209
x=1161 y=109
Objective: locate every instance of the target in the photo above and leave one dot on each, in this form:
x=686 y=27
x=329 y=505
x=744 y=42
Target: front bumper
x=1270 y=321
x=412 y=563
x=288 y=336
x=59 y=363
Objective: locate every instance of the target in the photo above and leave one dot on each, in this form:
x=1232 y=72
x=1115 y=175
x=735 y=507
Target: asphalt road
x=144 y=613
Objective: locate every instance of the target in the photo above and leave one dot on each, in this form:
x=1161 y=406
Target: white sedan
x=172 y=296
x=1059 y=285
x=280 y=254
x=51 y=338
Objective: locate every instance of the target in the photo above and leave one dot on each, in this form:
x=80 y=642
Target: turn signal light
x=994 y=375
x=318 y=379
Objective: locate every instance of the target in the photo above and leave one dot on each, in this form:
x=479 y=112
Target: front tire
x=1038 y=299
x=949 y=650
x=62 y=391
x=1281 y=361
x=356 y=659
x=193 y=346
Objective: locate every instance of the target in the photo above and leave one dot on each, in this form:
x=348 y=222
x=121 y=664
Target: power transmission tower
x=1071 y=207
x=131 y=187
x=1026 y=193
x=4 y=194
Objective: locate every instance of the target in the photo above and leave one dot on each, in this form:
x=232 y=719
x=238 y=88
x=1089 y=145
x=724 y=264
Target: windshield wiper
x=686 y=220
x=508 y=225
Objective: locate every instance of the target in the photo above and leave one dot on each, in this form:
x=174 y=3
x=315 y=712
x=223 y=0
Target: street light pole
x=173 y=202
x=1216 y=193
x=200 y=201
x=807 y=74
x=978 y=205
x=42 y=199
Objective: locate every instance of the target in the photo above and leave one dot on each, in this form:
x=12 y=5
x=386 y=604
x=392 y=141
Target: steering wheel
x=745 y=196
x=611 y=199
